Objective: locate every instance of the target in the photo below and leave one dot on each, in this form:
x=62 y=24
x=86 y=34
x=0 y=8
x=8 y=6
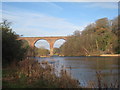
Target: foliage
x=116 y=31
x=11 y=47
x=76 y=33
x=42 y=52
x=97 y=38
x=56 y=51
x=32 y=51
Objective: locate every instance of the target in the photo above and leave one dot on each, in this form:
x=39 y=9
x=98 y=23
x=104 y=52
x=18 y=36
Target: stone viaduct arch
x=50 y=40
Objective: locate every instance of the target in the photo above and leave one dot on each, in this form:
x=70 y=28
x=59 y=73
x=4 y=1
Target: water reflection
x=84 y=68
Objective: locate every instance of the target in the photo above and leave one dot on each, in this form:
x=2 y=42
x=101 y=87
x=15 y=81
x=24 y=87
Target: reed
x=102 y=83
x=32 y=74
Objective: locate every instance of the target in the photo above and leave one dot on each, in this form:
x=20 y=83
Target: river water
x=84 y=68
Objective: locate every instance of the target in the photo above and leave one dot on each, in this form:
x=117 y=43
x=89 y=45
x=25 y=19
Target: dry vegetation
x=31 y=74
x=102 y=83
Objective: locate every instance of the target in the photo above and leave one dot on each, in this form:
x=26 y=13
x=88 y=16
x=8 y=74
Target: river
x=84 y=68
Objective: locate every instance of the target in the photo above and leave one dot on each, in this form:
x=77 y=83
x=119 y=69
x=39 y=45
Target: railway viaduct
x=51 y=40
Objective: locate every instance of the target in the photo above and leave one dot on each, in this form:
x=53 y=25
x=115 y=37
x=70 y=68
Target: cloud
x=58 y=43
x=45 y=44
x=42 y=43
x=55 y=6
x=38 y=24
x=60 y=0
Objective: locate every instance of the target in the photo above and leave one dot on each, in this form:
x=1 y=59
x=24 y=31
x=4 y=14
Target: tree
x=56 y=51
x=97 y=38
x=77 y=33
x=12 y=49
x=89 y=29
x=116 y=31
x=102 y=23
x=42 y=51
x=115 y=25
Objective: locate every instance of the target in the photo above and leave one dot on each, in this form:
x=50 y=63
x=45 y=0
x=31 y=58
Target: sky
x=37 y=19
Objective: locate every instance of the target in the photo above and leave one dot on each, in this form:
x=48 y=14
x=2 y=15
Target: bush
x=38 y=72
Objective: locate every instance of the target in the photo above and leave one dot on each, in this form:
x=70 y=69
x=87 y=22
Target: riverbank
x=106 y=55
x=110 y=55
x=31 y=74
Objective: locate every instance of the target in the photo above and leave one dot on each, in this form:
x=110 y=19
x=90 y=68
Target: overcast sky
x=35 y=19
